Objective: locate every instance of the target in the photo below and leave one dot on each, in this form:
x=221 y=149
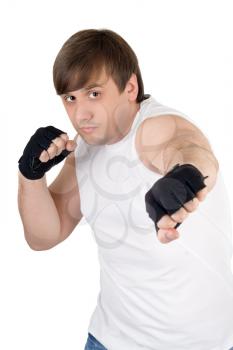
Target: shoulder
x=151 y=132
x=158 y=126
x=158 y=129
x=155 y=132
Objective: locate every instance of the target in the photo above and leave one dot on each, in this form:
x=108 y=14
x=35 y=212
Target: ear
x=132 y=88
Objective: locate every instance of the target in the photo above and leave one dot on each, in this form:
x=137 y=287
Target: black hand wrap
x=169 y=193
x=29 y=164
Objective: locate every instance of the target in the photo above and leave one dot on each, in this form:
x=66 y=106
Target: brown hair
x=87 y=52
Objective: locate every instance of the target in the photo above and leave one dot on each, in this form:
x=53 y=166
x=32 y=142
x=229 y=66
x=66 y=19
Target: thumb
x=167 y=235
x=71 y=145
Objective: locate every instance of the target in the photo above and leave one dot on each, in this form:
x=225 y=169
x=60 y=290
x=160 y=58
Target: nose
x=83 y=117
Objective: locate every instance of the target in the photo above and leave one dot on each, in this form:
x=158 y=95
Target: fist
x=56 y=147
x=173 y=197
x=47 y=147
x=167 y=225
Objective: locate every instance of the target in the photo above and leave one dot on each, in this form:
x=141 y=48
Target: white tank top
x=154 y=296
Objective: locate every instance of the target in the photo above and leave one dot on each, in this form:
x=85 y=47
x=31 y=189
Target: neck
x=135 y=109
x=132 y=115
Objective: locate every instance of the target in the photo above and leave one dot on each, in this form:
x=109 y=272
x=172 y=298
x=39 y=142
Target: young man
x=145 y=178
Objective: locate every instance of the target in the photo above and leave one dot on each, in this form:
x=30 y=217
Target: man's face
x=99 y=105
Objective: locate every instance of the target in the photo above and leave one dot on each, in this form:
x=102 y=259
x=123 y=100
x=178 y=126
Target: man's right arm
x=38 y=213
x=50 y=213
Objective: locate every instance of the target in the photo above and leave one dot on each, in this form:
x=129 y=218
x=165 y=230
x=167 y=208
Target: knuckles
x=170 y=221
x=56 y=147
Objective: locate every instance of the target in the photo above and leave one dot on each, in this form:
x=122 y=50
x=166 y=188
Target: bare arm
x=49 y=214
x=168 y=140
x=38 y=213
x=165 y=141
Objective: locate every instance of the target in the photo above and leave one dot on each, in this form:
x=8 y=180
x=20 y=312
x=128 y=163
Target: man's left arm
x=169 y=140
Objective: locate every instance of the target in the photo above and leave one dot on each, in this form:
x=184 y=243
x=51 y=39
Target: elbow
x=35 y=247
x=38 y=246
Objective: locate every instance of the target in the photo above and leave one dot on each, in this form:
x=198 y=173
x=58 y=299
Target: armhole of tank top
x=135 y=155
x=79 y=143
x=77 y=150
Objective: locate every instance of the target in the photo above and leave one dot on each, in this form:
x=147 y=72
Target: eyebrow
x=92 y=86
x=85 y=88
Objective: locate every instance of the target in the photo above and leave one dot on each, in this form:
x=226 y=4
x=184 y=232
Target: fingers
x=71 y=145
x=166 y=224
x=192 y=205
x=202 y=194
x=168 y=235
x=180 y=215
x=56 y=147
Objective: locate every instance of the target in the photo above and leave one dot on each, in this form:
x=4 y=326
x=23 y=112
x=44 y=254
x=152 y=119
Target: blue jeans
x=93 y=344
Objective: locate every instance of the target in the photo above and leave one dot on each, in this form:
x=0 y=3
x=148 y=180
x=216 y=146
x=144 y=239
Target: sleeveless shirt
x=154 y=296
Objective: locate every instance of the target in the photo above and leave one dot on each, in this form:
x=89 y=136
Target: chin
x=93 y=142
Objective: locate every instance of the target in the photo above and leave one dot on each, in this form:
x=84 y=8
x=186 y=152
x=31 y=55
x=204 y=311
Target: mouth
x=88 y=129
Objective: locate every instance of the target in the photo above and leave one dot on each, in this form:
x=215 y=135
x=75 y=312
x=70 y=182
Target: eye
x=69 y=96
x=94 y=92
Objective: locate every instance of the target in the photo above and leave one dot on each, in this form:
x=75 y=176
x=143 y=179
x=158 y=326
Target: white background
x=185 y=54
